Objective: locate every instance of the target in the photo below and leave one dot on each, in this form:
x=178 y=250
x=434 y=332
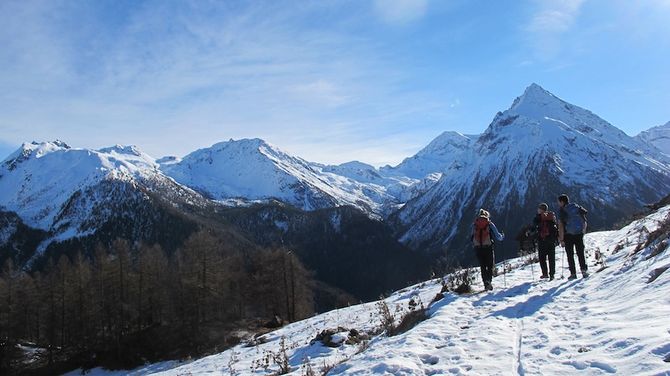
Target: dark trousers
x=486 y=260
x=572 y=242
x=547 y=252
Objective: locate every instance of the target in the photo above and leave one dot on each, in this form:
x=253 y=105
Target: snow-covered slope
x=255 y=170
x=541 y=147
x=70 y=192
x=391 y=185
x=439 y=155
x=657 y=136
x=39 y=178
x=615 y=321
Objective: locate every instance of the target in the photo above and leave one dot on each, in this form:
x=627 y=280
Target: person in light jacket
x=483 y=233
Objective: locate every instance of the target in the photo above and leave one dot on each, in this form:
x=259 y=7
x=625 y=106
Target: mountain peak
x=534 y=96
x=242 y=143
x=658 y=137
x=122 y=149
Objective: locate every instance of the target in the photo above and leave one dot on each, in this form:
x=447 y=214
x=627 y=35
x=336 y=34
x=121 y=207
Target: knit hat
x=543 y=206
x=484 y=213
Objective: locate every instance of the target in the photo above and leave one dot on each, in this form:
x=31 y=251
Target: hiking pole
x=505 y=273
x=532 y=269
x=563 y=263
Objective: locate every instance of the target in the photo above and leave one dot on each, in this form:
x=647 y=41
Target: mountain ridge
x=539 y=147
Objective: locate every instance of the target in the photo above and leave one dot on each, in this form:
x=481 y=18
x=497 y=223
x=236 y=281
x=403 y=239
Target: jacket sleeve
x=561 y=224
x=499 y=237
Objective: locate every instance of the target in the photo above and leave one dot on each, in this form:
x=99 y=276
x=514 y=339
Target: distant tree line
x=131 y=303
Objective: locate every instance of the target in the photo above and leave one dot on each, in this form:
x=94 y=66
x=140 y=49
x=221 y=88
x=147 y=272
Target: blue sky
x=330 y=81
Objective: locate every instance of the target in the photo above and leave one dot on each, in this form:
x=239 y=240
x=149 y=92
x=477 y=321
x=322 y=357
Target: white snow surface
x=439 y=155
x=539 y=134
x=39 y=178
x=613 y=322
x=253 y=169
x=657 y=136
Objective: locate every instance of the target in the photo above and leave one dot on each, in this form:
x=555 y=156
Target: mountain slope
x=60 y=200
x=77 y=197
x=38 y=179
x=658 y=136
x=255 y=170
x=437 y=156
x=542 y=146
x=337 y=244
x=524 y=326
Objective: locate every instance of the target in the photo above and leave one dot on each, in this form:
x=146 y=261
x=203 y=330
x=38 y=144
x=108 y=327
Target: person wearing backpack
x=483 y=232
x=544 y=226
x=571 y=229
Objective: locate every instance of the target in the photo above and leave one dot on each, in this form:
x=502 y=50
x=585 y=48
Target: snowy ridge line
x=615 y=321
x=541 y=146
x=423 y=198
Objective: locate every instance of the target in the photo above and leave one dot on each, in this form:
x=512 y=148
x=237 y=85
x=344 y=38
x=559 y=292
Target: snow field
x=613 y=322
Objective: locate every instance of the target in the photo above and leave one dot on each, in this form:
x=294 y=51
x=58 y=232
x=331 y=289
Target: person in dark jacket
x=546 y=230
x=571 y=229
x=483 y=233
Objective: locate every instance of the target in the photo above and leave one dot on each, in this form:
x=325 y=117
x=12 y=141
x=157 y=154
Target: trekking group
x=547 y=231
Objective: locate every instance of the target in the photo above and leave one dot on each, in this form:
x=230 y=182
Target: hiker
x=526 y=238
x=546 y=230
x=571 y=229
x=483 y=242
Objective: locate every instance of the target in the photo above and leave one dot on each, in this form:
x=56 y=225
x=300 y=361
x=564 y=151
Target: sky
x=330 y=81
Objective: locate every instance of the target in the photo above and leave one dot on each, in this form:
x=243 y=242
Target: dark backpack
x=547 y=228
x=574 y=218
x=482 y=236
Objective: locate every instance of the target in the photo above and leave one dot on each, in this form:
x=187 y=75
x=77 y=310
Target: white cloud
x=321 y=91
x=555 y=16
x=172 y=80
x=400 y=11
x=547 y=24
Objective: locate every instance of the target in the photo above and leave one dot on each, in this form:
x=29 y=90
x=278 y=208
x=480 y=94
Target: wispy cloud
x=400 y=11
x=548 y=23
x=172 y=79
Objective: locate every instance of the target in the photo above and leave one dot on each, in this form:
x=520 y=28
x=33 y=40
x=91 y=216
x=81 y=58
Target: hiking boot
x=544 y=276
x=585 y=273
x=488 y=286
x=572 y=276
x=551 y=277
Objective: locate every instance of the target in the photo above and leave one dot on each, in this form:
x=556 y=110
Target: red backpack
x=482 y=237
x=548 y=227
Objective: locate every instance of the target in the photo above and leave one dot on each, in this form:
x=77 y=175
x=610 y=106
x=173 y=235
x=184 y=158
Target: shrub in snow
x=385 y=316
x=460 y=281
x=333 y=337
x=278 y=358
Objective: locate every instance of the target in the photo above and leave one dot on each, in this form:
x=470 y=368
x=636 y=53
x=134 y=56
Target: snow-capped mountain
x=252 y=169
x=439 y=155
x=38 y=179
x=657 y=136
x=394 y=182
x=613 y=322
x=71 y=192
x=540 y=147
